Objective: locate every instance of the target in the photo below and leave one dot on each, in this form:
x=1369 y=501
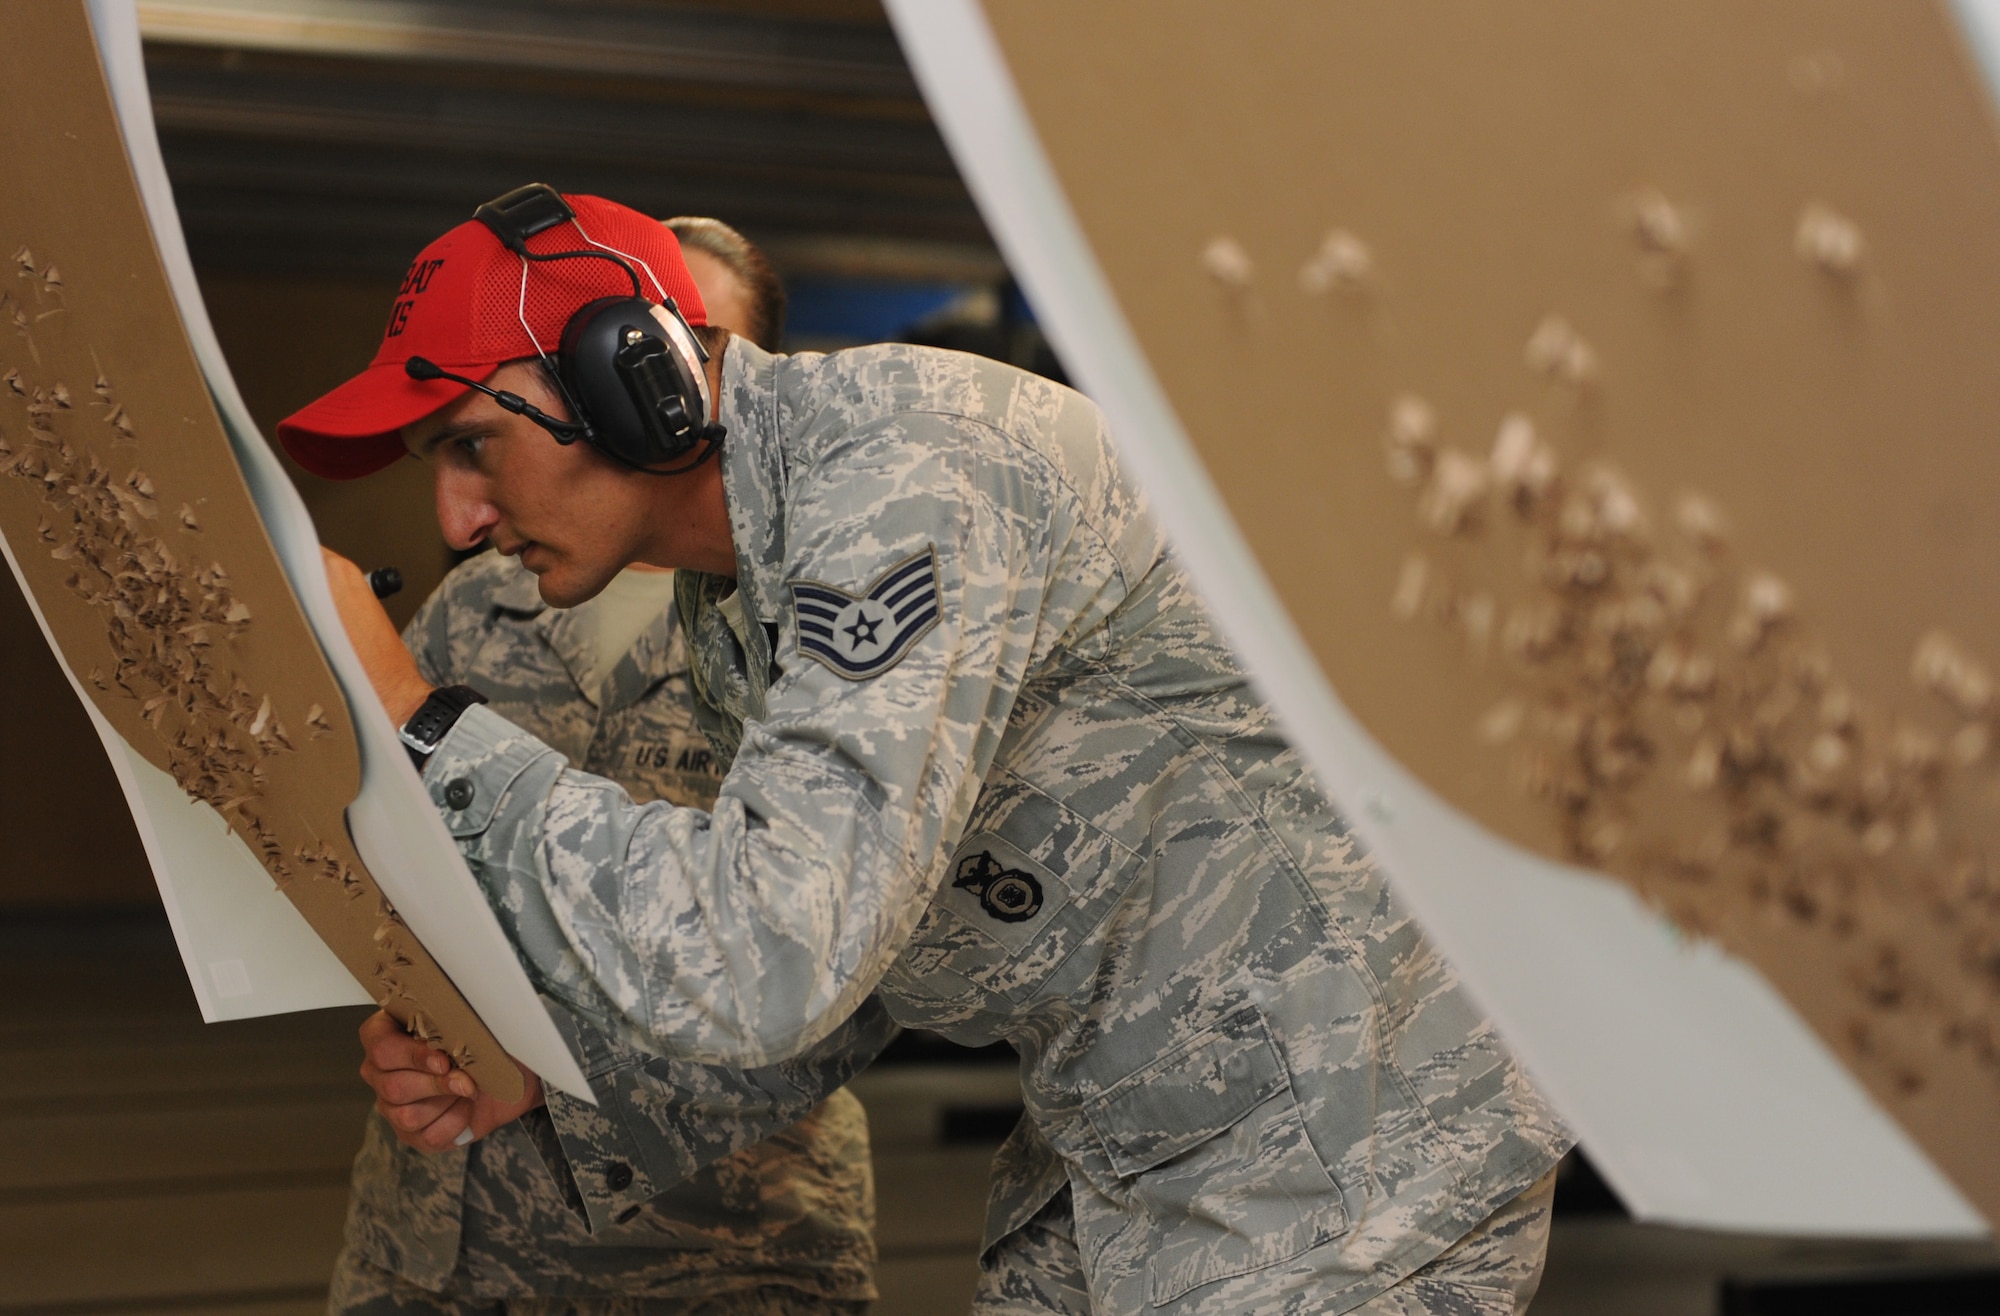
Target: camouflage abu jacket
x=581 y=1201
x=997 y=765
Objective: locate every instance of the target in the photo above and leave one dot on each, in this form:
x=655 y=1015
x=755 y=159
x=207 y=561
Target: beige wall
x=66 y=839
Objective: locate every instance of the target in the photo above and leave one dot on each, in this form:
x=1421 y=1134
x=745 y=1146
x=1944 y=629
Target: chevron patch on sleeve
x=862 y=635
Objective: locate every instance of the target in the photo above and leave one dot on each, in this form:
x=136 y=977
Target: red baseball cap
x=463 y=305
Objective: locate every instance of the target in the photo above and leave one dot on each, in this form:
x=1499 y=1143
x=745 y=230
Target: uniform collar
x=656 y=655
x=518 y=592
x=754 y=474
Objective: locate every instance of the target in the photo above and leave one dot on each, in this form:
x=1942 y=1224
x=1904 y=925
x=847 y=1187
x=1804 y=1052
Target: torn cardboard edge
x=246 y=950
x=1724 y=1110
x=392 y=821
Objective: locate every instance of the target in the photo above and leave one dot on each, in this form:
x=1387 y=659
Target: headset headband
x=622 y=365
x=522 y=213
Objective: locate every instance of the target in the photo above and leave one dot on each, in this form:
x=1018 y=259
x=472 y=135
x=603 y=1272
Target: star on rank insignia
x=862 y=635
x=1011 y=895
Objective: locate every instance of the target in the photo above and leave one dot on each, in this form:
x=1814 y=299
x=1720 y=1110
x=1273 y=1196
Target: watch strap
x=434 y=719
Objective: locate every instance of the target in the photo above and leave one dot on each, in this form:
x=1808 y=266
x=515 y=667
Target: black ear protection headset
x=629 y=368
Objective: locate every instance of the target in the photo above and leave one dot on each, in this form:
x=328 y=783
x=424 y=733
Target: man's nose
x=463 y=512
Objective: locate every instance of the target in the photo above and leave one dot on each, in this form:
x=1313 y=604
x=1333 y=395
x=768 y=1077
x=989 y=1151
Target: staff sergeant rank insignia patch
x=862 y=635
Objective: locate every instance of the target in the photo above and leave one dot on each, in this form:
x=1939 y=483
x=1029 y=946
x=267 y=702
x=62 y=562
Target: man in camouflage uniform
x=995 y=764
x=533 y=1216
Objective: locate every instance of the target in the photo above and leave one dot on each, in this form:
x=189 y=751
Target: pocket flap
x=1188 y=1096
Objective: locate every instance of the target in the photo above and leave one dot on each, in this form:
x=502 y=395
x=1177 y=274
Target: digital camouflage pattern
x=1492 y=1271
x=597 y=1202
x=1061 y=818
x=364 y=1290
x=1036 y=1270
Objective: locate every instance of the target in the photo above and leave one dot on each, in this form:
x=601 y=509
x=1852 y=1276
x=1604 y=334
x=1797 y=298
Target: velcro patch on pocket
x=995 y=888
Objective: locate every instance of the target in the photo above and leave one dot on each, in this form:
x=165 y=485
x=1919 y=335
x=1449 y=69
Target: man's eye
x=471 y=444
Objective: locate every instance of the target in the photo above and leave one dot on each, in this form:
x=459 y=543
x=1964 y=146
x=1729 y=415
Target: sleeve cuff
x=588 y=1147
x=479 y=758
x=602 y=1169
x=659 y=1122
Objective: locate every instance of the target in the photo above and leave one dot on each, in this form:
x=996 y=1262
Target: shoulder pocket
x=1214 y=1152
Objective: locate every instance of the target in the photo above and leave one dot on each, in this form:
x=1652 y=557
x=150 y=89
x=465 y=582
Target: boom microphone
x=564 y=431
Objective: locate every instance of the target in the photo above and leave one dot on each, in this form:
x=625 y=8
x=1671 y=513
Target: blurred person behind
x=542 y=1209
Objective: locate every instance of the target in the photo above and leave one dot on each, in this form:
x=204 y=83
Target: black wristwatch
x=429 y=725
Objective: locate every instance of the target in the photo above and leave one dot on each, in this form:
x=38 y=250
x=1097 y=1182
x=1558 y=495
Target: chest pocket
x=1209 y=1145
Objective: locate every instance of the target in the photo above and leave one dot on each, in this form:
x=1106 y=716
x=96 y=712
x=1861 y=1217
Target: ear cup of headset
x=621 y=368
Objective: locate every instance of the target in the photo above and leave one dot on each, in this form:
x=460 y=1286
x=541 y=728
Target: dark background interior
x=315 y=146
x=154 y=1163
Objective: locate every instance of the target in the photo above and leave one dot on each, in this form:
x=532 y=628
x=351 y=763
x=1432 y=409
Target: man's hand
x=391 y=670
x=429 y=1104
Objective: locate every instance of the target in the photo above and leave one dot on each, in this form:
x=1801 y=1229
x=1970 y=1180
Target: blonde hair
x=740 y=257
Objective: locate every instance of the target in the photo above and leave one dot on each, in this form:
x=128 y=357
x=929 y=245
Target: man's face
x=573 y=517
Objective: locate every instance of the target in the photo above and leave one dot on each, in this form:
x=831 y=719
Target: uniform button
x=458 y=794
x=619 y=1176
